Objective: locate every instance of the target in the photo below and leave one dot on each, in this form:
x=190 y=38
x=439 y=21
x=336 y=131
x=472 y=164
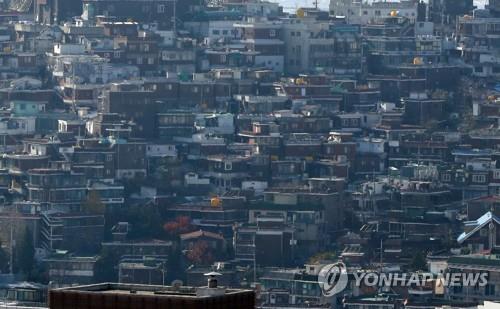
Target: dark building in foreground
x=124 y=296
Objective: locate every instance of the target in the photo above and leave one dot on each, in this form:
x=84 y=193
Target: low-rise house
x=215 y=242
x=151 y=271
x=481 y=235
x=153 y=248
x=217 y=215
x=66 y=270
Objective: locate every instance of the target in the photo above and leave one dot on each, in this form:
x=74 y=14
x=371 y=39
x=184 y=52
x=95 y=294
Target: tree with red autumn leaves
x=200 y=253
x=180 y=225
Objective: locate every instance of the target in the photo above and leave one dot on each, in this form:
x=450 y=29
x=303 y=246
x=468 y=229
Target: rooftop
x=165 y=296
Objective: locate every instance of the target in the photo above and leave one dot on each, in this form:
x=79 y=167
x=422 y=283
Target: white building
x=17 y=126
x=370 y=145
x=69 y=49
x=215 y=123
x=88 y=69
x=161 y=151
x=193 y=179
x=362 y=12
x=222 y=29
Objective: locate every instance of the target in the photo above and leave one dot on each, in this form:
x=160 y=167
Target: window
x=161 y=8
x=496 y=174
x=228 y=166
x=446 y=177
x=478 y=178
x=272 y=33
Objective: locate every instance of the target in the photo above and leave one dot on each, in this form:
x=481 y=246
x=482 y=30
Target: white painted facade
x=361 y=12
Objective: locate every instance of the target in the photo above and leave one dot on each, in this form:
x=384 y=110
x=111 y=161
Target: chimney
x=212 y=288
x=212 y=279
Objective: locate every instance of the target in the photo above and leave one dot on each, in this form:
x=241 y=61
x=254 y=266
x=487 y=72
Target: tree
x=418 y=262
x=175 y=270
x=145 y=220
x=201 y=253
x=105 y=268
x=322 y=256
x=4 y=260
x=93 y=204
x=180 y=225
x=25 y=253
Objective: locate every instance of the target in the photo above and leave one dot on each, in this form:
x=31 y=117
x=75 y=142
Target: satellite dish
x=177 y=283
x=300 y=13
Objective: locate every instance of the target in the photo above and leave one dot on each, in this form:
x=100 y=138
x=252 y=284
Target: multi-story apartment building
x=74 y=232
x=475 y=263
x=56 y=189
x=265 y=38
x=477 y=41
x=321 y=47
x=161 y=12
x=393 y=41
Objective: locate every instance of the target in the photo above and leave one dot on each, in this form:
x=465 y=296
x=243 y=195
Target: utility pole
x=254 y=262
x=175 y=17
x=11 y=268
x=381 y=253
